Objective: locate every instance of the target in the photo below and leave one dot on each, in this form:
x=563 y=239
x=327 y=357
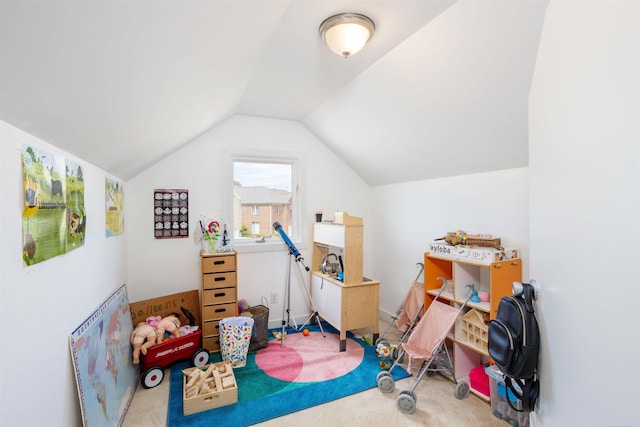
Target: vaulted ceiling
x=440 y=90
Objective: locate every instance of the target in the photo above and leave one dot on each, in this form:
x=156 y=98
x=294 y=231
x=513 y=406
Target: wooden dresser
x=219 y=296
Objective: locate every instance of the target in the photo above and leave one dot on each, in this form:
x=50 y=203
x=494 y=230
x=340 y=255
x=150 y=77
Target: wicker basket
x=260 y=335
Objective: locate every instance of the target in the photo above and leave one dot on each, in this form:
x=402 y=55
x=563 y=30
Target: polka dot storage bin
x=235 y=334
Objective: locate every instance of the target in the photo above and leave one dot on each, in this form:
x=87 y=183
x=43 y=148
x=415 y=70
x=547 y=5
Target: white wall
x=161 y=267
x=584 y=161
x=409 y=216
x=41 y=305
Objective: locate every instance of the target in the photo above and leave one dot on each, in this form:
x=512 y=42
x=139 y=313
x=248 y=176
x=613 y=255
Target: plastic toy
x=143 y=336
x=169 y=324
x=305 y=332
x=385 y=364
x=278 y=335
x=386 y=352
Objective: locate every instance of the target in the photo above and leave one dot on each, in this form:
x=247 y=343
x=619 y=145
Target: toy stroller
x=406 y=317
x=427 y=342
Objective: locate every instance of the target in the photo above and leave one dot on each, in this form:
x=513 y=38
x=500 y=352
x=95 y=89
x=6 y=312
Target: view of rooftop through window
x=262 y=195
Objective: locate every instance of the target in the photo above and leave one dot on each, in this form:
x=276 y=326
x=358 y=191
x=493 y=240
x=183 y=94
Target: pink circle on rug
x=304 y=359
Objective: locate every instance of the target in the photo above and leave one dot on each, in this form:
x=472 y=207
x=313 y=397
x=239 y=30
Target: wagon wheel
x=385 y=382
x=406 y=402
x=200 y=357
x=462 y=390
x=152 y=377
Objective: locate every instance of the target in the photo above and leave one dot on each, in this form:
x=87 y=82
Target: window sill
x=276 y=246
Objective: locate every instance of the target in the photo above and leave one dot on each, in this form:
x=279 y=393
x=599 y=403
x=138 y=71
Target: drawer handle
x=218 y=262
x=219 y=279
x=219 y=294
x=220 y=310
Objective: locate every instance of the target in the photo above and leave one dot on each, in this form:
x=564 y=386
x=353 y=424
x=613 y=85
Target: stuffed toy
x=187 y=329
x=144 y=336
x=170 y=324
x=243 y=308
x=386 y=352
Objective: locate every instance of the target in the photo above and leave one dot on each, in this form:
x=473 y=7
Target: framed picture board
x=170 y=214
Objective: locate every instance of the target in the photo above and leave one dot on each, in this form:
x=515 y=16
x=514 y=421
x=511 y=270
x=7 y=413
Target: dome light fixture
x=346 y=33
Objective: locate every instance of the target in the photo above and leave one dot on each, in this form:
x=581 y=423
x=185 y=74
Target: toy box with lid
x=499 y=405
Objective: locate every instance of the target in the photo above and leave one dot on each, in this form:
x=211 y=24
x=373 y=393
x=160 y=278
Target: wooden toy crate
x=207 y=387
x=474 y=330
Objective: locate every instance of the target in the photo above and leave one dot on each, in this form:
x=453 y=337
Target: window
x=255 y=228
x=260 y=189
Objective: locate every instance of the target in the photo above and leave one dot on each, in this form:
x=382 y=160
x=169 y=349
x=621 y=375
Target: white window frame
x=297 y=161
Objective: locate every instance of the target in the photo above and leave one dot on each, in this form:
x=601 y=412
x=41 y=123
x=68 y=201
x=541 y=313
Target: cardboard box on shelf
x=476 y=254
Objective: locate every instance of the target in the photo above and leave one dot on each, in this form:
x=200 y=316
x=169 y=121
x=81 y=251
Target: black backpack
x=514 y=343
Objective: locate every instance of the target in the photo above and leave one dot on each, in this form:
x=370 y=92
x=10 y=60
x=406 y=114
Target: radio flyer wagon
x=162 y=355
x=165 y=353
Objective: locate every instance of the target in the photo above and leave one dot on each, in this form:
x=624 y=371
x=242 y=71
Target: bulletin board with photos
x=171 y=213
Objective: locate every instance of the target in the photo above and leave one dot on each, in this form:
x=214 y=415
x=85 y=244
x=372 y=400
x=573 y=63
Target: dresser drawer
x=219 y=280
x=218 y=263
x=211 y=328
x=218 y=296
x=219 y=311
x=211 y=343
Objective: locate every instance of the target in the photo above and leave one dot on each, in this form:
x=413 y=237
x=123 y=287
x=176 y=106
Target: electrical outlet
x=273 y=297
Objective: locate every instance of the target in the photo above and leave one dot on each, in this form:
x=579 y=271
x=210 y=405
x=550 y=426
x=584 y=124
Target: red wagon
x=164 y=354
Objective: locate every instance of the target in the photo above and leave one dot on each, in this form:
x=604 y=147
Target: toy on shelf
x=460 y=237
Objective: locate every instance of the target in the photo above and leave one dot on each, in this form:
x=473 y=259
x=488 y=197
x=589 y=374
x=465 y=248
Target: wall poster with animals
x=53 y=218
x=114 y=207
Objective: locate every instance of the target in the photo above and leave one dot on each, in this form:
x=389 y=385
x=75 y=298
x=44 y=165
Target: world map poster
x=105 y=375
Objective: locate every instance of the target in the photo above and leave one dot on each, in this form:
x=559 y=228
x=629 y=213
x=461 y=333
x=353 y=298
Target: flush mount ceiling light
x=346 y=33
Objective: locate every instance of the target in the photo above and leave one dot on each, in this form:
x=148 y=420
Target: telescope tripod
x=287 y=318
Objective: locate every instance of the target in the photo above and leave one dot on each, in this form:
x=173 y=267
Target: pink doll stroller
x=407 y=315
x=427 y=342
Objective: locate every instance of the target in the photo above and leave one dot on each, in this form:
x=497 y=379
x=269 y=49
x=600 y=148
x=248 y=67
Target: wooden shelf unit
x=496 y=278
x=354 y=302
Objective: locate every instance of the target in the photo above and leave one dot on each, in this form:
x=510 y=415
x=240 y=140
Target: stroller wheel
x=462 y=390
x=394 y=353
x=406 y=402
x=409 y=392
x=385 y=382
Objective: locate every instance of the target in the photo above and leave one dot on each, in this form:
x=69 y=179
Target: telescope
x=292 y=248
